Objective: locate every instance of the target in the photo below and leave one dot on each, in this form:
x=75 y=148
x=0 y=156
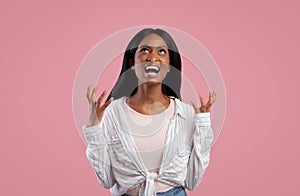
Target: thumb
x=197 y=110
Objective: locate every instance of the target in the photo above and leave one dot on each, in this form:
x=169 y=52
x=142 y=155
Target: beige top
x=149 y=134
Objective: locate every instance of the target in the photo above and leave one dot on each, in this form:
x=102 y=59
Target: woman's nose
x=152 y=57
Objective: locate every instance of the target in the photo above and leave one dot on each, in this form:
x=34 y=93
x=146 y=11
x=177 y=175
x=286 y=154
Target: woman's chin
x=151 y=78
x=151 y=75
x=151 y=82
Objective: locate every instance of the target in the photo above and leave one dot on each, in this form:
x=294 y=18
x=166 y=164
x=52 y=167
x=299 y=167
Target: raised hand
x=96 y=109
x=205 y=106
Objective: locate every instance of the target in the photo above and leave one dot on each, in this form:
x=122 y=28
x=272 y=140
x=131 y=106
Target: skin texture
x=149 y=98
x=152 y=50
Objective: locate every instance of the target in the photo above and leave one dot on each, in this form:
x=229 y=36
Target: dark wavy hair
x=127 y=82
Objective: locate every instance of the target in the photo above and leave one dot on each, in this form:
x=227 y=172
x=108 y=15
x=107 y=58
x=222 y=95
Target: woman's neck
x=149 y=99
x=148 y=93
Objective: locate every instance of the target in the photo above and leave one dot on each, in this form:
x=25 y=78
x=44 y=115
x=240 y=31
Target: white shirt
x=113 y=155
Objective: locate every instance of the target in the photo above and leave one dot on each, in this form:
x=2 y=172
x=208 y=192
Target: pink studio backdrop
x=255 y=44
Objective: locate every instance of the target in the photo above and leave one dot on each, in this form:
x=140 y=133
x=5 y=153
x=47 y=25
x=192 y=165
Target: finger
x=101 y=97
x=88 y=92
x=209 y=98
x=213 y=93
x=213 y=97
x=202 y=100
x=93 y=94
x=108 y=102
x=197 y=110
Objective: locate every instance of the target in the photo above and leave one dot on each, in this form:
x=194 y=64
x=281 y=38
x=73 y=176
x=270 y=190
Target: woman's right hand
x=96 y=108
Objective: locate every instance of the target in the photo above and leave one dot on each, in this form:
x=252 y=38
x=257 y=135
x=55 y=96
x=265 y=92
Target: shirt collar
x=178 y=108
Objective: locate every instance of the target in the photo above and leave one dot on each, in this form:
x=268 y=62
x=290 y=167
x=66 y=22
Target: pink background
x=255 y=44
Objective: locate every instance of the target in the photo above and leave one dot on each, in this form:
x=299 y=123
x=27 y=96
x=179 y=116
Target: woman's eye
x=144 y=50
x=162 y=51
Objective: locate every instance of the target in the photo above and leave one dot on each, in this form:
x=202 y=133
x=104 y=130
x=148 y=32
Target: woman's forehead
x=153 y=40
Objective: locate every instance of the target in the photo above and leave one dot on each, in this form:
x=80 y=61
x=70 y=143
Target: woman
x=148 y=114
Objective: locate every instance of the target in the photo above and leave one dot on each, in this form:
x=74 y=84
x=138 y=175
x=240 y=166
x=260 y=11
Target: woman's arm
x=96 y=135
x=201 y=142
x=97 y=154
x=200 y=155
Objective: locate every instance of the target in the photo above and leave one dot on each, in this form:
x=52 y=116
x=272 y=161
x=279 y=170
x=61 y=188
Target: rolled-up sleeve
x=97 y=154
x=200 y=155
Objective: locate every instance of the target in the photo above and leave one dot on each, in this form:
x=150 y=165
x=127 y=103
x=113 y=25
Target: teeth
x=152 y=67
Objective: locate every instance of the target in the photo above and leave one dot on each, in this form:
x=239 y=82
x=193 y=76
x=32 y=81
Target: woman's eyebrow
x=148 y=46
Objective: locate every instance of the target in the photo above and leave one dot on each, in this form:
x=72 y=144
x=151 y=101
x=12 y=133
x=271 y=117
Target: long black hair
x=127 y=83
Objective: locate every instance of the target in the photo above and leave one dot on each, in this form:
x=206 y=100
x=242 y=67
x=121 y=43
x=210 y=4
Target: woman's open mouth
x=152 y=69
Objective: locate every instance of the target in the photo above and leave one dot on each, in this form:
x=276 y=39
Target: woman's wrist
x=93 y=123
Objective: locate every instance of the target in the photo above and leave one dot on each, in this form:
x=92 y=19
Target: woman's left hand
x=205 y=106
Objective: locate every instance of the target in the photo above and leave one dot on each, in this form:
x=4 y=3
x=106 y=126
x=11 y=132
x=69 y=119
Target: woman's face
x=151 y=60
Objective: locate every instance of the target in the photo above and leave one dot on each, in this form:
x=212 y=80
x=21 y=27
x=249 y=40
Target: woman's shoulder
x=115 y=104
x=184 y=108
x=113 y=112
